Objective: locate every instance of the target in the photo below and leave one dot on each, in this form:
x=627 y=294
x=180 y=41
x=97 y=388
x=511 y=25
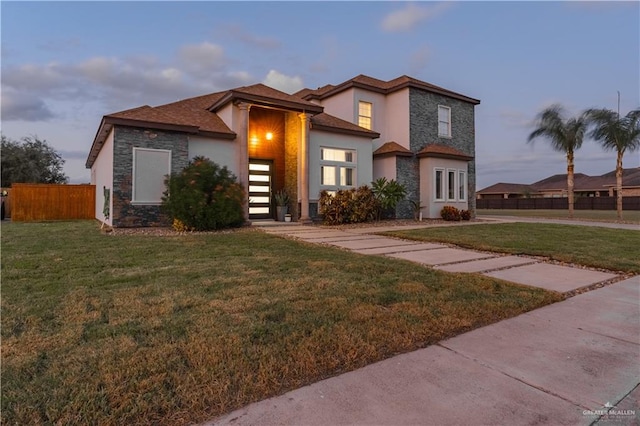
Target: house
x=330 y=138
x=556 y=186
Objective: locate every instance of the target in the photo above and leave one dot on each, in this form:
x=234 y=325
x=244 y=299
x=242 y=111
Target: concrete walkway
x=564 y=364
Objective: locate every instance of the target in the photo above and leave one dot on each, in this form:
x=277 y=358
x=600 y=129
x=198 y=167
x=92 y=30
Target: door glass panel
x=259 y=167
x=258 y=210
x=259 y=200
x=259 y=178
x=256 y=188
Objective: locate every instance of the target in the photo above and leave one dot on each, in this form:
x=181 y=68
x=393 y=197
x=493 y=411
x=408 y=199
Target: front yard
x=139 y=329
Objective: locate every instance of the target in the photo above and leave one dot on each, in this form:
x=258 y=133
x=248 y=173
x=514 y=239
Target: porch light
x=269 y=136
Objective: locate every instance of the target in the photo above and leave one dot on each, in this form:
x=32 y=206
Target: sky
x=66 y=64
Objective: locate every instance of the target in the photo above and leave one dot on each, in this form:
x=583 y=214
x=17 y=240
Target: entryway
x=260 y=187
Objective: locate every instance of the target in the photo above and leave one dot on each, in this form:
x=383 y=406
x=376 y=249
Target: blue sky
x=66 y=64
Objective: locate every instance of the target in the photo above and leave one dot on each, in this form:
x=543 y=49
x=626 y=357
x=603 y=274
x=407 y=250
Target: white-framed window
x=451 y=184
x=444 y=121
x=438 y=183
x=337 y=168
x=462 y=185
x=364 y=114
x=150 y=167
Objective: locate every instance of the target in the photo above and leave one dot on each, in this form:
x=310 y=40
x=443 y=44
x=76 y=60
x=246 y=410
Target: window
x=462 y=185
x=364 y=114
x=337 y=168
x=439 y=184
x=451 y=185
x=150 y=166
x=444 y=121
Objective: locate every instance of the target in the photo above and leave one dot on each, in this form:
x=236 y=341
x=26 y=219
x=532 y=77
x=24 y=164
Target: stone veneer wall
x=423 y=124
x=124 y=213
x=292 y=136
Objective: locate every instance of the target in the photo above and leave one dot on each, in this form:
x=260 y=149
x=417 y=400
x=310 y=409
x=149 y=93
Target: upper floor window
x=444 y=121
x=364 y=114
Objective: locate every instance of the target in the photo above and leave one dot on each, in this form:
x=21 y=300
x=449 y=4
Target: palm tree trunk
x=570 y=182
x=619 y=185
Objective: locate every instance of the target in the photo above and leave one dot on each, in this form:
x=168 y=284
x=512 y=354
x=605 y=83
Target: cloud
x=263 y=42
x=516 y=119
x=72 y=154
x=419 y=58
x=26 y=108
x=411 y=15
x=202 y=59
x=283 y=82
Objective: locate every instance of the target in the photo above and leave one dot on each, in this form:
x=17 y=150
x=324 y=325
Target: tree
x=565 y=135
x=615 y=133
x=30 y=160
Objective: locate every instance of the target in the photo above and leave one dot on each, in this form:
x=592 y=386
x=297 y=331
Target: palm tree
x=565 y=135
x=615 y=133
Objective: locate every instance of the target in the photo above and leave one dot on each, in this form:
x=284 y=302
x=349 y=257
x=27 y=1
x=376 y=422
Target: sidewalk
x=567 y=363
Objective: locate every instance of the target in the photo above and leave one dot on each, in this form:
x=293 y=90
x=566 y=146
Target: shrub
x=389 y=194
x=348 y=206
x=465 y=215
x=450 y=213
x=203 y=197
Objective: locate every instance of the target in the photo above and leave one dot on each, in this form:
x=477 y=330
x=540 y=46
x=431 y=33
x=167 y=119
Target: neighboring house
x=334 y=137
x=556 y=186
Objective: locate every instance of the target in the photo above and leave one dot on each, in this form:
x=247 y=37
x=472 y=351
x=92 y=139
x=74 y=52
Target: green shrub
x=389 y=194
x=348 y=206
x=203 y=197
x=450 y=213
x=465 y=215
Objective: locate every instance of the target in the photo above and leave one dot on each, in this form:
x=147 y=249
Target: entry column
x=243 y=159
x=303 y=172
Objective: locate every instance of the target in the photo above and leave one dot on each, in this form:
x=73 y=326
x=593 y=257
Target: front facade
x=334 y=137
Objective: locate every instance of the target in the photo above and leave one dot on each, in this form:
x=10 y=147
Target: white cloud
x=239 y=33
x=411 y=15
x=202 y=59
x=26 y=108
x=283 y=82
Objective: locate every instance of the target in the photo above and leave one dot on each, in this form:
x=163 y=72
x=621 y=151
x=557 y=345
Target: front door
x=260 y=184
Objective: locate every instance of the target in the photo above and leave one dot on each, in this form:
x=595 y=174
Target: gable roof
x=437 y=150
x=380 y=86
x=507 y=188
x=392 y=148
x=266 y=96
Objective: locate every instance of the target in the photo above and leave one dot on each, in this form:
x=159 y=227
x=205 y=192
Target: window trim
x=339 y=166
x=448 y=109
x=462 y=185
x=435 y=184
x=451 y=185
x=135 y=201
x=369 y=117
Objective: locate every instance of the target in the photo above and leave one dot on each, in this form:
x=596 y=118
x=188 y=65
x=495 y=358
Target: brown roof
x=329 y=123
x=507 y=188
x=443 y=151
x=381 y=86
x=267 y=96
x=392 y=148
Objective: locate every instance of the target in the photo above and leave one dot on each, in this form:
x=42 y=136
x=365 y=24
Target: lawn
x=612 y=249
x=632 y=216
x=140 y=329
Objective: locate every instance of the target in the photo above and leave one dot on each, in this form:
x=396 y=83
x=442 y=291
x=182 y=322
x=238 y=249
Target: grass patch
x=612 y=249
x=632 y=216
x=138 y=329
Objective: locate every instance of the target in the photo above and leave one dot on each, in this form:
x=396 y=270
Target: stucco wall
x=341 y=105
x=102 y=177
x=384 y=167
x=364 y=157
x=124 y=213
x=227 y=115
x=397 y=119
x=220 y=151
x=427 y=185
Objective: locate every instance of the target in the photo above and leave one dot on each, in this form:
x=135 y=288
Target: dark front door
x=260 y=186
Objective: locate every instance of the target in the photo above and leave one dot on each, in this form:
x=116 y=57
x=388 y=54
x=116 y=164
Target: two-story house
x=330 y=138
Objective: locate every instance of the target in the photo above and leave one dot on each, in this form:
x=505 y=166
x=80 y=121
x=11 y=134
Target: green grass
x=139 y=329
x=632 y=216
x=613 y=249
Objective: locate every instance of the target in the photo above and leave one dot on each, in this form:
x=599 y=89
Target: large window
x=444 y=121
x=337 y=168
x=450 y=185
x=364 y=114
x=150 y=166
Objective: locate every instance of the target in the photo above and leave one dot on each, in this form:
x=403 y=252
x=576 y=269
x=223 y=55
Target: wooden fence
x=581 y=203
x=35 y=202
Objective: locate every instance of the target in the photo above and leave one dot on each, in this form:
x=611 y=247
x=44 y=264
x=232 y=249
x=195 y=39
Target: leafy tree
x=615 y=133
x=565 y=135
x=203 y=197
x=30 y=160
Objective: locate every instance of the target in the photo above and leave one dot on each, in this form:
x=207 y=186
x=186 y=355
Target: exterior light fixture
x=269 y=136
